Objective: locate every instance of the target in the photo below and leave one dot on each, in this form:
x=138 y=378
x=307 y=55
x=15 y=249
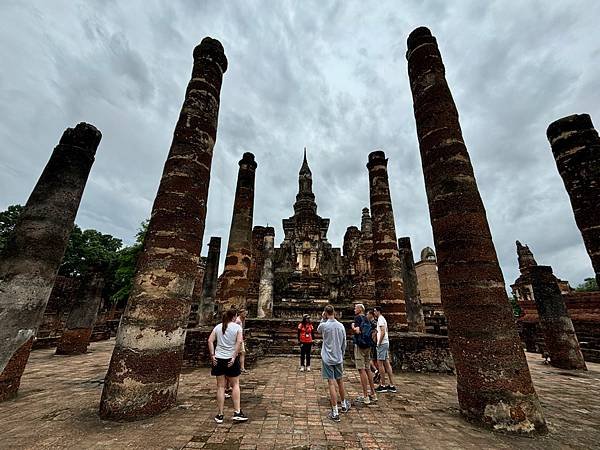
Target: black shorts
x=221 y=368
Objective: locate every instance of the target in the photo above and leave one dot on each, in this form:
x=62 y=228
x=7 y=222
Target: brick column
x=206 y=310
x=30 y=261
x=234 y=282
x=255 y=271
x=265 y=289
x=414 y=309
x=576 y=148
x=557 y=327
x=143 y=375
x=389 y=292
x=82 y=317
x=494 y=383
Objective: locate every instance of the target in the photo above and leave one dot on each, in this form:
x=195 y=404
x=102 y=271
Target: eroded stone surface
x=576 y=148
x=234 y=282
x=56 y=408
x=492 y=372
x=265 y=289
x=389 y=292
x=144 y=370
x=414 y=309
x=30 y=260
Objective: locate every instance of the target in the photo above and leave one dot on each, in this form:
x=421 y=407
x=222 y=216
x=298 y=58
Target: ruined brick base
x=74 y=342
x=10 y=378
x=410 y=352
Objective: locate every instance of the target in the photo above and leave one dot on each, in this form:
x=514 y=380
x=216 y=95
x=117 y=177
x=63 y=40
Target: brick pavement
x=58 y=401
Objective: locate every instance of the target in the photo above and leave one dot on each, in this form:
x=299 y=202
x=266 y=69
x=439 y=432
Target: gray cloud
x=329 y=77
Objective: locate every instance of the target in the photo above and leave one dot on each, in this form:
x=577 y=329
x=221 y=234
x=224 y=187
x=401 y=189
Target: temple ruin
x=30 y=261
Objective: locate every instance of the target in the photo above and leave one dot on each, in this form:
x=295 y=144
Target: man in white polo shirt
x=383 y=350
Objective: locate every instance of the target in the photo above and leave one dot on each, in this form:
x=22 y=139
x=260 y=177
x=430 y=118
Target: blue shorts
x=334 y=372
x=382 y=351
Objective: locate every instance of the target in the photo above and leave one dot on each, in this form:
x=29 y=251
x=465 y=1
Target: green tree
x=8 y=220
x=125 y=265
x=588 y=285
x=86 y=249
x=515 y=306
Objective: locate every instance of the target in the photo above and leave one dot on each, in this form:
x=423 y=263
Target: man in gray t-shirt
x=332 y=356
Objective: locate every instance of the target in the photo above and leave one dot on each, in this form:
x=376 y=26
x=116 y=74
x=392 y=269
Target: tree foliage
x=588 y=285
x=8 y=220
x=89 y=249
x=126 y=263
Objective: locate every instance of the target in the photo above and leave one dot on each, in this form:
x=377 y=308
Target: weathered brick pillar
x=265 y=290
x=557 y=327
x=82 y=317
x=194 y=317
x=30 y=260
x=234 y=283
x=143 y=375
x=414 y=309
x=206 y=310
x=494 y=384
x=254 y=273
x=576 y=148
x=387 y=272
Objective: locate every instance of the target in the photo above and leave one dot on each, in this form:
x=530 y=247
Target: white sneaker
x=301 y=368
x=308 y=369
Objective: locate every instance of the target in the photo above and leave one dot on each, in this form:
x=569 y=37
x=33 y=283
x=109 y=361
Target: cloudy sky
x=326 y=75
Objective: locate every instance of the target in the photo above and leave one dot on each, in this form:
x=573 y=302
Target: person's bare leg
x=388 y=368
x=221 y=393
x=364 y=382
x=235 y=394
x=340 y=384
x=243 y=361
x=381 y=372
x=332 y=393
x=370 y=378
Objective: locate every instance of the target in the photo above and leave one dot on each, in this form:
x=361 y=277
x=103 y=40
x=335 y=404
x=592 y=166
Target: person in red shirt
x=305 y=338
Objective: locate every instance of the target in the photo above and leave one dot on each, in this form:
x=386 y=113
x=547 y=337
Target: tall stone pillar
x=265 y=290
x=414 y=309
x=82 y=317
x=234 y=282
x=206 y=310
x=30 y=261
x=255 y=271
x=557 y=327
x=576 y=148
x=143 y=375
x=387 y=272
x=494 y=383
x=194 y=317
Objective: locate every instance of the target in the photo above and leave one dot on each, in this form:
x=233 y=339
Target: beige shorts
x=243 y=347
x=362 y=356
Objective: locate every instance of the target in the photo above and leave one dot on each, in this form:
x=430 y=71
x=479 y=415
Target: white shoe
x=308 y=369
x=301 y=368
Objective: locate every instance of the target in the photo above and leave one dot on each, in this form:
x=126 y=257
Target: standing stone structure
x=414 y=309
x=143 y=375
x=194 y=317
x=559 y=334
x=30 y=260
x=265 y=290
x=82 y=317
x=234 y=282
x=494 y=383
x=576 y=148
x=255 y=271
x=389 y=291
x=206 y=310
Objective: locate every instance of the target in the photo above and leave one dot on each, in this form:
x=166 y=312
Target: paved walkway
x=59 y=397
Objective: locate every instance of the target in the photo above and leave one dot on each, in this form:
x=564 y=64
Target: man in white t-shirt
x=383 y=350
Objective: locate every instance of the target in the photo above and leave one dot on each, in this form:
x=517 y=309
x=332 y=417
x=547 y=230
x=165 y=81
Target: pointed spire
x=525 y=256
x=305 y=170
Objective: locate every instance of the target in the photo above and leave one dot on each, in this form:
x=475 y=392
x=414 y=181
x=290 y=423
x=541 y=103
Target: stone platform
x=58 y=402
x=413 y=352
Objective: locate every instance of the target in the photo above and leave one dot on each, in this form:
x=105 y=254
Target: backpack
x=364 y=339
x=374 y=332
